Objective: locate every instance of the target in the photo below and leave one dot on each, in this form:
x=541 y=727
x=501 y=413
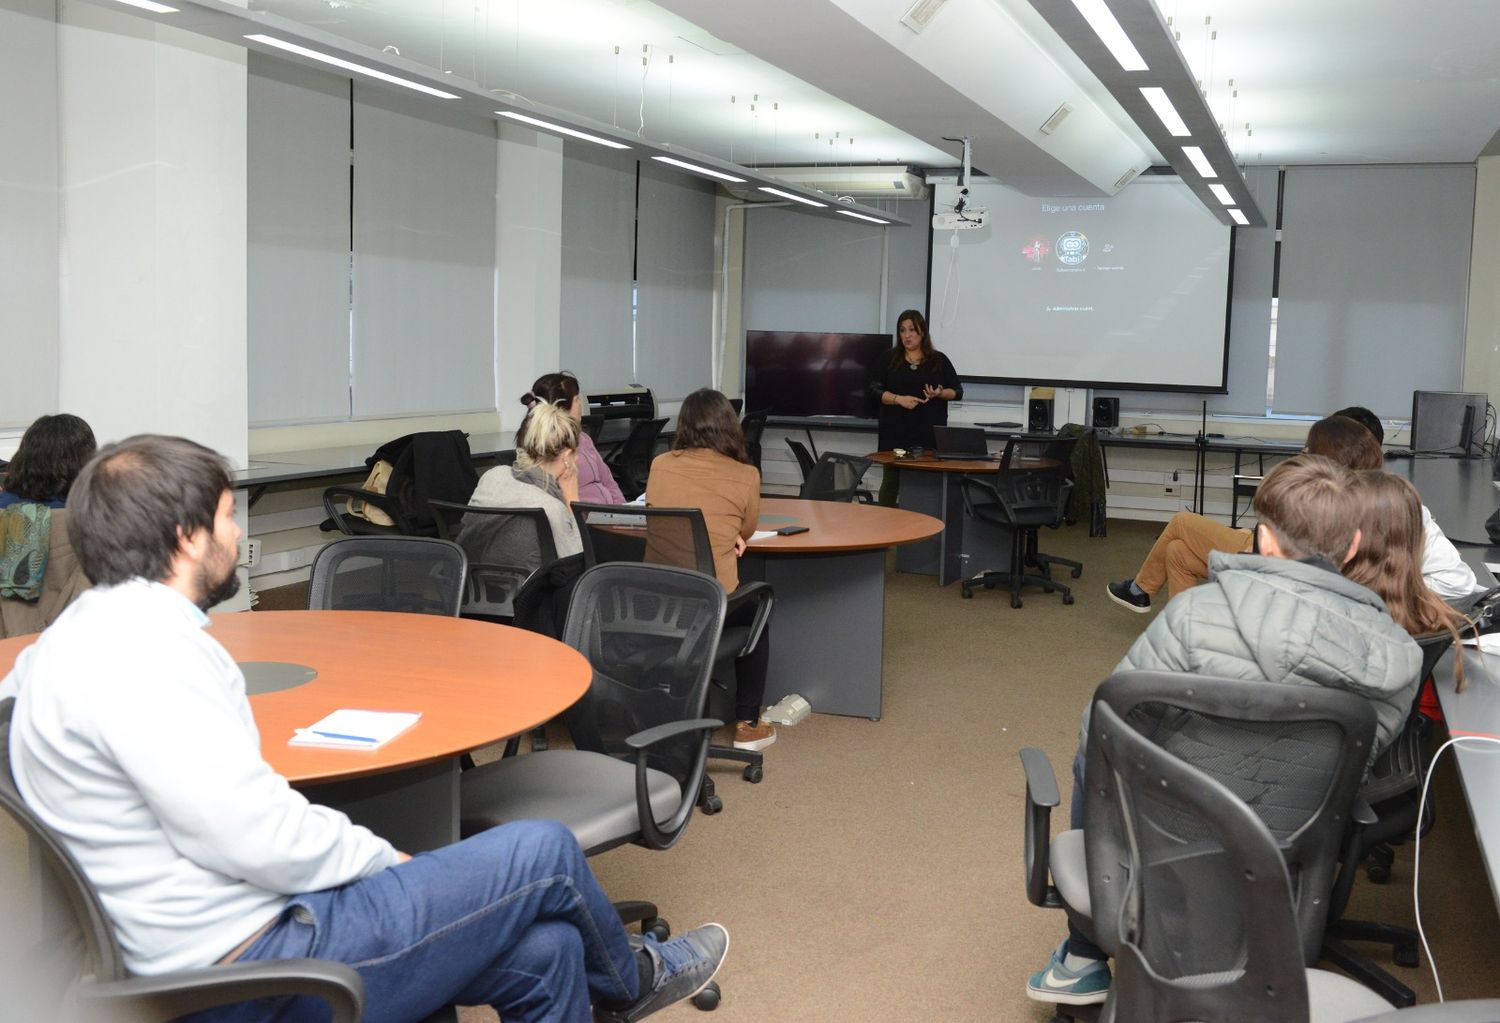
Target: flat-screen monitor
x=1450 y=422
x=806 y=373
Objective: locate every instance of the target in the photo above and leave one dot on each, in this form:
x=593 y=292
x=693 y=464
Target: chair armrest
x=972 y=490
x=653 y=834
x=171 y=995
x=765 y=598
x=385 y=502
x=1041 y=796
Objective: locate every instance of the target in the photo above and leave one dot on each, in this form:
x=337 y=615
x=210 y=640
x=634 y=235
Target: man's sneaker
x=1057 y=983
x=682 y=968
x=753 y=736
x=1122 y=594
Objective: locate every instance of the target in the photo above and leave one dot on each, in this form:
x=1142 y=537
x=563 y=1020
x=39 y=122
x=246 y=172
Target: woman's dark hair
x=707 y=420
x=555 y=389
x=1364 y=417
x=131 y=504
x=920 y=322
x=1345 y=441
x=53 y=451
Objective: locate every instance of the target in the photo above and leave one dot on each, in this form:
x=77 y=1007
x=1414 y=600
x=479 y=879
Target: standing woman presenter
x=915 y=385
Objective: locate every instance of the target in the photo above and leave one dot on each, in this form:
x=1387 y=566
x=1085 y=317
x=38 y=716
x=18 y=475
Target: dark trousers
x=750 y=670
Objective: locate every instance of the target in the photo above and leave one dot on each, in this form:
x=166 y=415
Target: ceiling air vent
x=1058 y=117
x=920 y=14
x=1126 y=178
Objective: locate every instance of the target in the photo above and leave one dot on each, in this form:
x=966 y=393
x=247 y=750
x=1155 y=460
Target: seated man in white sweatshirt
x=132 y=738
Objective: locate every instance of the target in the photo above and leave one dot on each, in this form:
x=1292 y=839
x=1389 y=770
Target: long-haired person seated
x=39 y=574
x=596 y=484
x=545 y=476
x=708 y=468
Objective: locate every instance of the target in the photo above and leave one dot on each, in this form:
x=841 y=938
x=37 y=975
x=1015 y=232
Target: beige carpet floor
x=876 y=873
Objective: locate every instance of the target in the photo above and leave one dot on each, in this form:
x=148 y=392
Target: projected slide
x=1127 y=291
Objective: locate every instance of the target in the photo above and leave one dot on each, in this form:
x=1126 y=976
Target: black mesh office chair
x=593 y=425
x=76 y=970
x=347 y=508
x=1390 y=796
x=837 y=477
x=754 y=428
x=1029 y=491
x=388 y=573
x=504 y=546
x=679 y=537
x=640 y=733
x=803 y=456
x=1294 y=754
x=1191 y=894
x=631 y=461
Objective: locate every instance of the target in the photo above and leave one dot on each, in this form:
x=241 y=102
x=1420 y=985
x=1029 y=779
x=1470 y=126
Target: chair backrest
x=434 y=465
x=337 y=501
x=1033 y=481
x=639 y=447
x=1400 y=767
x=103 y=958
x=1293 y=754
x=634 y=533
x=754 y=428
x=388 y=573
x=834 y=477
x=504 y=546
x=803 y=456
x=650 y=633
x=1205 y=925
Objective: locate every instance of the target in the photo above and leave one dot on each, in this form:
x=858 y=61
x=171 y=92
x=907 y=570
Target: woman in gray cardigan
x=545 y=476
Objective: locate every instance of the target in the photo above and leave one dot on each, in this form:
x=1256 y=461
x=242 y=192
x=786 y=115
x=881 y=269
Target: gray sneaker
x=684 y=966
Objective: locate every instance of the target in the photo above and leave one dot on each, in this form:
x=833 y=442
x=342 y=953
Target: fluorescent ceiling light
x=793 y=197
x=538 y=122
x=1103 y=22
x=147 y=5
x=1240 y=218
x=348 y=65
x=1172 y=120
x=1200 y=162
x=861 y=216
x=699 y=170
x=1222 y=193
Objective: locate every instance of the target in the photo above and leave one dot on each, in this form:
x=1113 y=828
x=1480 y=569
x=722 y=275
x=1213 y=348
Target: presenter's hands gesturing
x=931 y=391
x=910 y=401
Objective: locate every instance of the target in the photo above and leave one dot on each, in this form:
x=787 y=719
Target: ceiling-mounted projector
x=968 y=220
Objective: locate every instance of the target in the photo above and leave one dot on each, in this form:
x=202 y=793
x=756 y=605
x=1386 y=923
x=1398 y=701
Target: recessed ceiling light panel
x=1239 y=218
x=696 y=169
x=349 y=65
x=1102 y=20
x=1222 y=193
x=793 y=196
x=562 y=129
x=1170 y=118
x=861 y=216
x=148 y=5
x=1199 y=161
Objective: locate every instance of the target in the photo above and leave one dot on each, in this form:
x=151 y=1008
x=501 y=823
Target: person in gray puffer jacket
x=1284 y=615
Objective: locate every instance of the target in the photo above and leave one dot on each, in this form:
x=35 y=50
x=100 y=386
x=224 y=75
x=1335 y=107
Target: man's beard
x=211 y=592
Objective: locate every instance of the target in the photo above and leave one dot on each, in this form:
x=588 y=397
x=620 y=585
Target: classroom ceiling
x=784 y=82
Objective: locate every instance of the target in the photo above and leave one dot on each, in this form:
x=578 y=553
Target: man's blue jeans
x=512 y=918
x=1080 y=944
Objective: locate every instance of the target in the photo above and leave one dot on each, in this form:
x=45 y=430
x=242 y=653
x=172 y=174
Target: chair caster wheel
x=708 y=999
x=1015 y=601
x=1067 y=598
x=1075 y=573
x=1378 y=874
x=1405 y=955
x=754 y=773
x=658 y=929
x=711 y=805
x=966 y=591
x=989 y=585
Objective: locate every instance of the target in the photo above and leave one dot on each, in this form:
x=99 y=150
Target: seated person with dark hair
x=132 y=738
x=39 y=575
x=1284 y=615
x=1179 y=558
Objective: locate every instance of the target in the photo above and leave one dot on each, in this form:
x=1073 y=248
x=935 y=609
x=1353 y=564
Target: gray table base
x=963 y=548
x=415 y=809
x=827 y=633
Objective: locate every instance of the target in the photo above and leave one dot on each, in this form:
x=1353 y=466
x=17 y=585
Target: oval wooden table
x=828 y=629
x=475 y=683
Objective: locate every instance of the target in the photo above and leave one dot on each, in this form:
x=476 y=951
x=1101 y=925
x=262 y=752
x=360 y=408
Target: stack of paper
x=355 y=729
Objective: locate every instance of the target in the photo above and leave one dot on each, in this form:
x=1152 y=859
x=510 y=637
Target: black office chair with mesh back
x=679 y=537
x=1192 y=895
x=804 y=457
x=754 y=428
x=1029 y=491
x=504 y=546
x=1294 y=754
x=837 y=477
x=593 y=425
x=1391 y=795
x=77 y=971
x=641 y=734
x=631 y=461
x=388 y=573
x=348 y=508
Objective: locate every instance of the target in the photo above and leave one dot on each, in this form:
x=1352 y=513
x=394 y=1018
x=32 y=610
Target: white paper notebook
x=355 y=729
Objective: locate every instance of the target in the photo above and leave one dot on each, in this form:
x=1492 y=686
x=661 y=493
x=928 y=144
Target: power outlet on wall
x=252 y=554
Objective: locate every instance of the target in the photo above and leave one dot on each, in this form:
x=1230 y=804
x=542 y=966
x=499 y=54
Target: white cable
x=949 y=313
x=1416 y=870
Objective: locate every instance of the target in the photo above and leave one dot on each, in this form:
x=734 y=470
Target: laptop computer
x=961 y=442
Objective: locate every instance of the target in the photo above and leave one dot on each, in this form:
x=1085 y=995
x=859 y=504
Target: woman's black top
x=900 y=428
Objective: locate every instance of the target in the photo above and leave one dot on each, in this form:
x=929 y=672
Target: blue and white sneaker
x=1057 y=983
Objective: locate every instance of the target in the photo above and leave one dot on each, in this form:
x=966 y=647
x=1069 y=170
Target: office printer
x=619 y=410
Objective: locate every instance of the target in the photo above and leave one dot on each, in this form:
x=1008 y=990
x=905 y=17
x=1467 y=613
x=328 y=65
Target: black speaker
x=1039 y=415
x=1106 y=413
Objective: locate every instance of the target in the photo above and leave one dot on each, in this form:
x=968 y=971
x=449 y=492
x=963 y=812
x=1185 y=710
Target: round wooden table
x=828 y=628
x=475 y=683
